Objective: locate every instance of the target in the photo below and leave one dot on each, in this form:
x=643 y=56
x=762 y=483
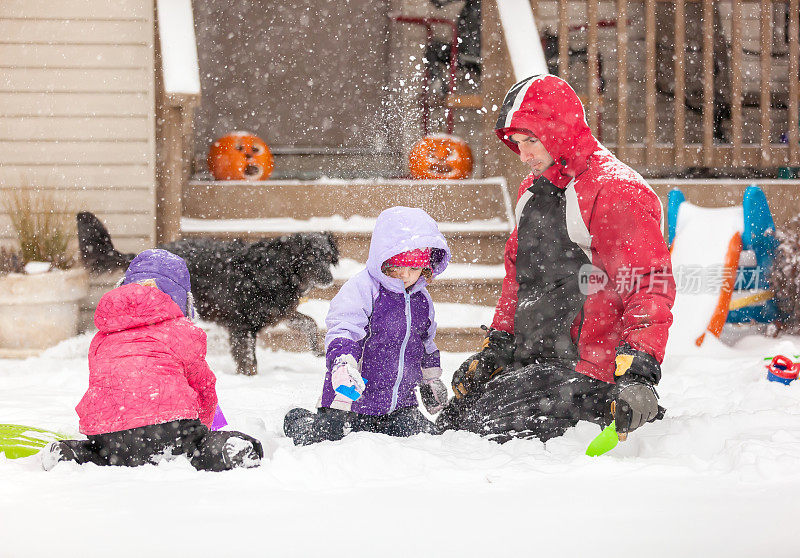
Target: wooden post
x=176 y=113
x=708 y=83
x=534 y=9
x=497 y=79
x=563 y=41
x=650 y=85
x=766 y=71
x=593 y=68
x=622 y=78
x=736 y=81
x=794 y=89
x=170 y=190
x=680 y=82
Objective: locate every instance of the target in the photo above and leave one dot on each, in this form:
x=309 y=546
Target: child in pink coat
x=151 y=393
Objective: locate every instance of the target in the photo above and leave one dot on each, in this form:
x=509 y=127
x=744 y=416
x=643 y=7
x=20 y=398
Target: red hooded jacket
x=146 y=364
x=613 y=219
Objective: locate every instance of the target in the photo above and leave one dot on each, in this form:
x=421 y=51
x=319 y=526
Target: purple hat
x=169 y=273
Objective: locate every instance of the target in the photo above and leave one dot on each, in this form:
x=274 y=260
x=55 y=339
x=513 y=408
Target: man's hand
x=496 y=353
x=636 y=403
x=635 y=398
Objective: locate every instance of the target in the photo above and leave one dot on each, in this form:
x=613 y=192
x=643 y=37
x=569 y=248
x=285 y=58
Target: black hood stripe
x=513 y=98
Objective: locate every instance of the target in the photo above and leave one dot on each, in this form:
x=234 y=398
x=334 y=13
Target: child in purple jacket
x=379 y=345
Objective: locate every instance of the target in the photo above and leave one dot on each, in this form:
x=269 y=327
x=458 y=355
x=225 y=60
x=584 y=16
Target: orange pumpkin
x=440 y=156
x=240 y=156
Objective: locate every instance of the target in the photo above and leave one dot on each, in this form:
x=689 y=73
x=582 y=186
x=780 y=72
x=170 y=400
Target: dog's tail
x=97 y=251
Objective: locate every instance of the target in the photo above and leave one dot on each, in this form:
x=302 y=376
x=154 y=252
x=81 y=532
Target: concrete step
x=445 y=200
x=476 y=216
x=481 y=291
x=458 y=331
x=458 y=327
x=449 y=339
x=460 y=283
x=476 y=246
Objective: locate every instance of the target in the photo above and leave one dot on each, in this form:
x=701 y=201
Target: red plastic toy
x=782 y=370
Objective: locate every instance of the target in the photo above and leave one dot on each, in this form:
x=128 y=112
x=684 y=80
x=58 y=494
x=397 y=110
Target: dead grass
x=43 y=224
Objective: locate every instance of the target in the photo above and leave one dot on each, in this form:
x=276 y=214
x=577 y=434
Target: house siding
x=77 y=110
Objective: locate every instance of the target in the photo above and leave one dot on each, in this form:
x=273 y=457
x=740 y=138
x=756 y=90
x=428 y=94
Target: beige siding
x=77 y=109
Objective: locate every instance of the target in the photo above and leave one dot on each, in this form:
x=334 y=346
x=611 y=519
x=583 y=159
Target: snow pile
x=718 y=476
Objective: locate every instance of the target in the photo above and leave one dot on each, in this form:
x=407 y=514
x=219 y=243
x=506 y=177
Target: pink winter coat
x=146 y=364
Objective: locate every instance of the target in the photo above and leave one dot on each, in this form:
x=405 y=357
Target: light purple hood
x=400 y=229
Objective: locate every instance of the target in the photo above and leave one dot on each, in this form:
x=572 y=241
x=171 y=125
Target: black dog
x=241 y=286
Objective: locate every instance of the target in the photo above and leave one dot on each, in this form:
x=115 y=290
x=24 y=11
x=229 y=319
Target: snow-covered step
x=477 y=241
x=348 y=267
x=460 y=283
x=270 y=226
x=458 y=327
x=444 y=200
x=475 y=215
x=448 y=315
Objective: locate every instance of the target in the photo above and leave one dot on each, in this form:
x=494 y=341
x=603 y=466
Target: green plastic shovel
x=22 y=441
x=605 y=441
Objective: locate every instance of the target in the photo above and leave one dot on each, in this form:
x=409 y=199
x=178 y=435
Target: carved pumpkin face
x=440 y=156
x=240 y=156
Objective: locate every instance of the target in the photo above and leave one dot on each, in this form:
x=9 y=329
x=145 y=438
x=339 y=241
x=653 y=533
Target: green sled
x=22 y=441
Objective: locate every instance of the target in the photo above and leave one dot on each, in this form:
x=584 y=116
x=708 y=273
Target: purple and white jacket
x=389 y=331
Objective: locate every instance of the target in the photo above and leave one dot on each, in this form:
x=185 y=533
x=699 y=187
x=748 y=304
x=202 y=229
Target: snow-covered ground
x=719 y=476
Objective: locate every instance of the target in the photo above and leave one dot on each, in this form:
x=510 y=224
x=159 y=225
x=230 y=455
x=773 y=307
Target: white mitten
x=346 y=378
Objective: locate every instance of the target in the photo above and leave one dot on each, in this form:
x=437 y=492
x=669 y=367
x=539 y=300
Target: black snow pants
x=149 y=444
x=540 y=400
x=335 y=424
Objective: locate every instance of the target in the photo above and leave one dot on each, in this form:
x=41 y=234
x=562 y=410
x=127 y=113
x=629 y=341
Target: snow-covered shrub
x=785 y=278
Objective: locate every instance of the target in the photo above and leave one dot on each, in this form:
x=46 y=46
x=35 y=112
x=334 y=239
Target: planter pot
x=38 y=311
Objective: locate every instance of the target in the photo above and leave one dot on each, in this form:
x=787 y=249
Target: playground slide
x=721 y=259
x=705 y=254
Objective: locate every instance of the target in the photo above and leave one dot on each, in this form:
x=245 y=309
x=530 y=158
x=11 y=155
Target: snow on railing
x=522 y=38
x=178 y=47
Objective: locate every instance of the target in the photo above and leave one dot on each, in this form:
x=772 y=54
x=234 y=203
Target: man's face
x=532 y=152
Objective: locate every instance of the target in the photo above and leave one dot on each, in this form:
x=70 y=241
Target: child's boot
x=55 y=452
x=297 y=424
x=242 y=452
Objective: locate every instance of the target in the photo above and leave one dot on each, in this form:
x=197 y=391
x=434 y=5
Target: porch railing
x=663 y=135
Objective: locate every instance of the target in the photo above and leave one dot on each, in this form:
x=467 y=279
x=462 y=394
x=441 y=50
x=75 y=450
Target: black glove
x=433 y=393
x=635 y=398
x=497 y=351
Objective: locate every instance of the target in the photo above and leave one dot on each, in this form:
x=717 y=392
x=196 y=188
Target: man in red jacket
x=581 y=325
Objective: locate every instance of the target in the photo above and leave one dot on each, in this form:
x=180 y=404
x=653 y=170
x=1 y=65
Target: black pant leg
x=538 y=400
x=451 y=416
x=329 y=425
x=148 y=444
x=406 y=421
